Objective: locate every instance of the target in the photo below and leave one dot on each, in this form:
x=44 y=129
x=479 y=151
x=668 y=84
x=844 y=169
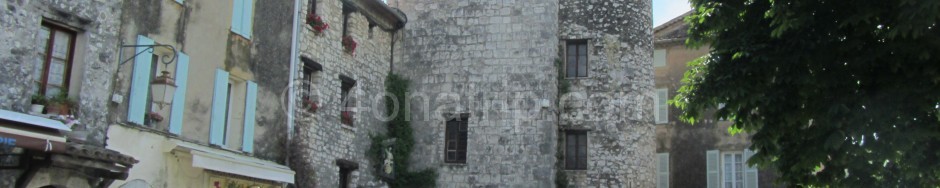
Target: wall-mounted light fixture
x=163 y=87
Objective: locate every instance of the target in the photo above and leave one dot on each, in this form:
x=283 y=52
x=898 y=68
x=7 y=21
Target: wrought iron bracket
x=165 y=58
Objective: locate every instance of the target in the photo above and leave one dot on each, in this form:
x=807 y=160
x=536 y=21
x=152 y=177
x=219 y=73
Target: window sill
x=348 y=127
x=446 y=164
x=577 y=77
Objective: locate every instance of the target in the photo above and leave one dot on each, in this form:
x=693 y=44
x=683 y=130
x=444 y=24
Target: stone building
x=329 y=149
x=519 y=93
x=487 y=70
x=60 y=49
x=226 y=125
x=699 y=155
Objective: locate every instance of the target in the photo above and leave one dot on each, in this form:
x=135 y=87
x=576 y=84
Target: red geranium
x=349 y=44
x=317 y=23
x=347 y=117
x=310 y=105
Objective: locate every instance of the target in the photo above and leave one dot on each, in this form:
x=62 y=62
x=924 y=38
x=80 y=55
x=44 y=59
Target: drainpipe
x=290 y=83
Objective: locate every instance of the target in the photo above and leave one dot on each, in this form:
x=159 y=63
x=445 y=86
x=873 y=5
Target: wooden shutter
x=179 y=98
x=140 y=82
x=712 y=165
x=219 y=107
x=238 y=6
x=750 y=172
x=251 y=95
x=662 y=97
x=662 y=179
x=246 y=17
x=659 y=58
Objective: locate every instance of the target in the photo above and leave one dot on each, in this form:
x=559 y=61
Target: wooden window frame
x=580 y=142
x=47 y=59
x=578 y=53
x=456 y=131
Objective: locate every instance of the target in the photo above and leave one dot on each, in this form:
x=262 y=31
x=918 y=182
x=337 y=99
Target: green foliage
x=563 y=85
x=841 y=93
x=38 y=99
x=400 y=129
x=62 y=98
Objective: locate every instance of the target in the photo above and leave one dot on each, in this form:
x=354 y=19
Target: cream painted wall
x=160 y=166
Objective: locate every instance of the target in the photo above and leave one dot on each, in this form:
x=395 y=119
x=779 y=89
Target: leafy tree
x=840 y=93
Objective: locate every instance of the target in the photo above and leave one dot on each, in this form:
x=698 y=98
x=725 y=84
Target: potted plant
x=316 y=22
x=38 y=102
x=60 y=104
x=310 y=105
x=349 y=44
x=347 y=117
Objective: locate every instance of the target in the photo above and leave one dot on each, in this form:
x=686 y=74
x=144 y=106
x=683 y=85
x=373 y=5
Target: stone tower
x=489 y=71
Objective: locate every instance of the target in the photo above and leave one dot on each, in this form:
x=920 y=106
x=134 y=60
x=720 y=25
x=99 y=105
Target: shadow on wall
x=688 y=153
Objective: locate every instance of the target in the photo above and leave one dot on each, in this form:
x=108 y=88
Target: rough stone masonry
x=494 y=61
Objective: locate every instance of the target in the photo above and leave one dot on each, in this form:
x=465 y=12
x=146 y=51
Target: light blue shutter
x=662 y=179
x=140 y=82
x=711 y=165
x=219 y=107
x=179 y=1
x=179 y=98
x=251 y=95
x=246 y=18
x=238 y=6
x=750 y=172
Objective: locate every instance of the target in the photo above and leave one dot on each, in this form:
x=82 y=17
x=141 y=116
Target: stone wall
x=614 y=101
x=96 y=23
x=494 y=61
x=320 y=139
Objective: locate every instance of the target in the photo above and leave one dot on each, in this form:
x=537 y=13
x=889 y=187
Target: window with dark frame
x=313 y=6
x=54 y=70
x=153 y=75
x=346 y=11
x=455 y=139
x=576 y=64
x=228 y=111
x=347 y=100
x=344 y=178
x=576 y=150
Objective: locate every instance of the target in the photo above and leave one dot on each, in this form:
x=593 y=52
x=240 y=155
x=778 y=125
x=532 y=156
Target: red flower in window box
x=349 y=44
x=347 y=117
x=310 y=105
x=317 y=23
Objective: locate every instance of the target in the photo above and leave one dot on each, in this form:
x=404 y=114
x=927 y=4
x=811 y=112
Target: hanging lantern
x=162 y=89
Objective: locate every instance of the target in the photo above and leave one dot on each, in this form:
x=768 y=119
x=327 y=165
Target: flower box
x=347 y=118
x=349 y=45
x=317 y=23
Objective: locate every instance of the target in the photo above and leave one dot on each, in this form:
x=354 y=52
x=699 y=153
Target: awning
x=32 y=120
x=229 y=162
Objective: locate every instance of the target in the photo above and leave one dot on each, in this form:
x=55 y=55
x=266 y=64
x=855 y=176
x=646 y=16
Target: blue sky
x=665 y=10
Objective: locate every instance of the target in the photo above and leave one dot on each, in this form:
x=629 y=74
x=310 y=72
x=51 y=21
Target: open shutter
x=711 y=160
x=238 y=7
x=662 y=98
x=750 y=172
x=656 y=107
x=219 y=100
x=140 y=82
x=179 y=98
x=251 y=95
x=246 y=17
x=662 y=179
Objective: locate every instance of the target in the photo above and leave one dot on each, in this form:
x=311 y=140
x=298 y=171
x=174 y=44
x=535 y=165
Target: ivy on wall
x=399 y=129
x=561 y=176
